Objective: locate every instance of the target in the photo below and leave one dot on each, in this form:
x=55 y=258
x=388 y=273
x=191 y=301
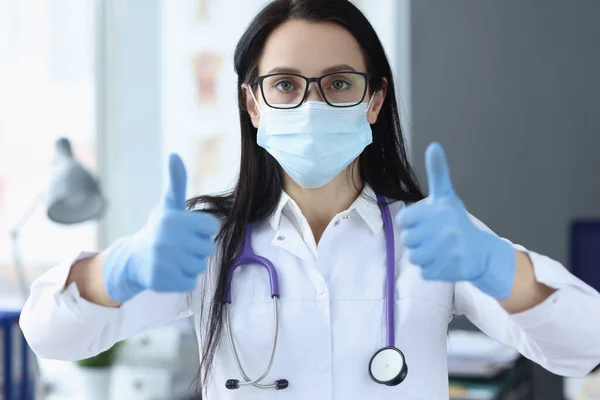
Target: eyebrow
x=338 y=68
x=328 y=70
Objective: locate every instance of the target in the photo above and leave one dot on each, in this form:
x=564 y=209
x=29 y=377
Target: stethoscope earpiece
x=232 y=384
x=388 y=366
x=281 y=384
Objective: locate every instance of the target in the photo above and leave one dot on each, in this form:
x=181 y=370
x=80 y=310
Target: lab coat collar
x=364 y=206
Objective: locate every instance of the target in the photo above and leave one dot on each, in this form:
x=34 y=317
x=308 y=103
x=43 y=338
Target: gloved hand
x=168 y=253
x=441 y=238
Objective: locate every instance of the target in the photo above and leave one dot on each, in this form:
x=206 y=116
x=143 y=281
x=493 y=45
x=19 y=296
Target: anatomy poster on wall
x=202 y=11
x=207 y=162
x=206 y=66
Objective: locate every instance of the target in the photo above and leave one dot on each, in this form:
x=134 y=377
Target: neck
x=319 y=206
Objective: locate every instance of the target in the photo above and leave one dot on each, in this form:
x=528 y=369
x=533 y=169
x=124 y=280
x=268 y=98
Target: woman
x=326 y=194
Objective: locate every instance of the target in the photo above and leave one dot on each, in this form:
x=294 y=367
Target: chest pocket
x=411 y=285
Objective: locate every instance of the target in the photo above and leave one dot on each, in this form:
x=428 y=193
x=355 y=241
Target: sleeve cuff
x=552 y=274
x=538 y=315
x=83 y=309
x=56 y=277
x=70 y=297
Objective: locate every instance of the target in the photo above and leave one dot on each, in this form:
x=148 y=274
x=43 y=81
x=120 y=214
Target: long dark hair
x=383 y=164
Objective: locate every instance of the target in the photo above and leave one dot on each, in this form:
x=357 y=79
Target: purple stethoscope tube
x=387 y=366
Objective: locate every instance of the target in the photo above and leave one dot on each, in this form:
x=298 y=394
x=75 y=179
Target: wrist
x=118 y=271
x=87 y=275
x=498 y=277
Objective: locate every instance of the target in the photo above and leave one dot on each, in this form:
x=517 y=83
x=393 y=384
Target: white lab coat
x=332 y=314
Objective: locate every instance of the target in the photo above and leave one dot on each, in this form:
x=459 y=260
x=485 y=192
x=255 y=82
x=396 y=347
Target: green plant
x=103 y=360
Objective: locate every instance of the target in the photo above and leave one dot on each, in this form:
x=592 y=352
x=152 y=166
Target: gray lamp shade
x=74 y=195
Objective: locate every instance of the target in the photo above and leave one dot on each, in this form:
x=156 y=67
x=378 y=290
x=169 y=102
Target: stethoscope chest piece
x=388 y=366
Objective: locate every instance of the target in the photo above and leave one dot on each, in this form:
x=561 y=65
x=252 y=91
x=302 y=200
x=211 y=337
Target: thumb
x=438 y=173
x=175 y=197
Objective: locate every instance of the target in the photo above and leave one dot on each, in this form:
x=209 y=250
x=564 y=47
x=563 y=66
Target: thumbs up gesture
x=441 y=238
x=170 y=251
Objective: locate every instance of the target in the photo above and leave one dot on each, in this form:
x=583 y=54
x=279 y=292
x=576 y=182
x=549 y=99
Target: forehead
x=310 y=48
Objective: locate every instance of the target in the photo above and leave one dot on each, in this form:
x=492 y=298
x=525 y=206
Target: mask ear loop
x=371 y=102
x=253 y=97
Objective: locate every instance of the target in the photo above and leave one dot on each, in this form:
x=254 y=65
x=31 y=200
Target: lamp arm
x=18 y=259
x=28 y=214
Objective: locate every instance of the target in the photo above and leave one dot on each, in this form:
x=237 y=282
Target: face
x=311 y=49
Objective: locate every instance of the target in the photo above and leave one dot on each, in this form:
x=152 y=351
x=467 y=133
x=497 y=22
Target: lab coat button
x=281 y=238
x=320 y=290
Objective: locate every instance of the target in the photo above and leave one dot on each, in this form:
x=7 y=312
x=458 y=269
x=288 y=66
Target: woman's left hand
x=441 y=238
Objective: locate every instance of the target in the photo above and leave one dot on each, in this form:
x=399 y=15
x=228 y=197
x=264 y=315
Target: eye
x=284 y=85
x=339 y=84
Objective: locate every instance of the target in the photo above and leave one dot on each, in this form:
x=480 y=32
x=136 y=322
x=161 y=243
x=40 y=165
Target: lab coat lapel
x=288 y=238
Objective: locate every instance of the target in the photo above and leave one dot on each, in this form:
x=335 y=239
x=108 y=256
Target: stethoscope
x=387 y=366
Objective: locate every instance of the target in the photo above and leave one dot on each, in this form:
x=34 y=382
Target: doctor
x=325 y=274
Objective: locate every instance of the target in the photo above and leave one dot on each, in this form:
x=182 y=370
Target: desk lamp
x=73 y=197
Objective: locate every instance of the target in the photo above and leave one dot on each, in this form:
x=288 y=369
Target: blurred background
x=510 y=88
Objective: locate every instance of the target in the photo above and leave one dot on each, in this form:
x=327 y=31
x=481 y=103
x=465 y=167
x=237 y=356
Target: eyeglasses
x=339 y=89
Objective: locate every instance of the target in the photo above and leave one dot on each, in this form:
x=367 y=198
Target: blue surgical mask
x=315 y=142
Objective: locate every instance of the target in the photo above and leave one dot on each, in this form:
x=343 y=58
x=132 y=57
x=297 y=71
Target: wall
x=129 y=112
x=512 y=91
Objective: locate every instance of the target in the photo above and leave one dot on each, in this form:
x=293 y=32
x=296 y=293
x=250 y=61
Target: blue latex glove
x=170 y=251
x=441 y=238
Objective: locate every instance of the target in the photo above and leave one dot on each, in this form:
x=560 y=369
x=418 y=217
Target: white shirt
x=332 y=314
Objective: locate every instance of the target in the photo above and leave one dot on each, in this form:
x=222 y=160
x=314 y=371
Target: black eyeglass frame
x=367 y=76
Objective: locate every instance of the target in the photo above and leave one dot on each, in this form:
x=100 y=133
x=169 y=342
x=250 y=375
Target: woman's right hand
x=169 y=252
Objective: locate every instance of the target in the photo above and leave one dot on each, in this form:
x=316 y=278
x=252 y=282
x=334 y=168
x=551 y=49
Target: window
x=47 y=90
